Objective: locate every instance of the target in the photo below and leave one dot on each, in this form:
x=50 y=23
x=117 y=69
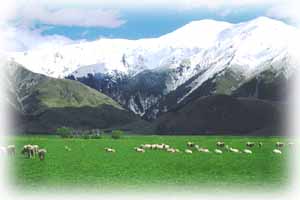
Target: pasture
x=88 y=165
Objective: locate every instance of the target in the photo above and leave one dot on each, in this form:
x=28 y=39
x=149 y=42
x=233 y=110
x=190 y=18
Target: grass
x=88 y=165
x=58 y=93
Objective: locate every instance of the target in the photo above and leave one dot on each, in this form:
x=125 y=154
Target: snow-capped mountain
x=127 y=56
x=141 y=74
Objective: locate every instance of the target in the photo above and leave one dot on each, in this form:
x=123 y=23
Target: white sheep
x=42 y=153
x=110 y=150
x=160 y=146
x=279 y=144
x=146 y=146
x=247 y=151
x=220 y=144
x=171 y=150
x=177 y=150
x=234 y=150
x=28 y=151
x=35 y=149
x=140 y=150
x=218 y=151
x=190 y=144
x=250 y=144
x=291 y=143
x=204 y=150
x=188 y=151
x=277 y=151
x=11 y=150
x=227 y=147
x=3 y=150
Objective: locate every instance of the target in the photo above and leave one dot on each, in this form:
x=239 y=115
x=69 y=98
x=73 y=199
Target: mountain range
x=251 y=63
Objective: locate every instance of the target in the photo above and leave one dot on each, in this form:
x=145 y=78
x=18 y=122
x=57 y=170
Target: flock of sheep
x=28 y=150
x=32 y=151
x=221 y=147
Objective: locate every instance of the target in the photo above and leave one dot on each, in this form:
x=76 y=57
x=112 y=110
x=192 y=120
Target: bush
x=96 y=136
x=117 y=134
x=86 y=136
x=64 y=132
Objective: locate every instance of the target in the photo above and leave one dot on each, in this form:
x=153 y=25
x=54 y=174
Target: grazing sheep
x=218 y=151
x=188 y=151
x=28 y=151
x=220 y=144
x=204 y=150
x=227 y=147
x=190 y=144
x=146 y=146
x=160 y=146
x=250 y=144
x=291 y=143
x=42 y=153
x=35 y=149
x=177 y=150
x=197 y=146
x=140 y=150
x=277 y=151
x=260 y=144
x=3 y=150
x=279 y=144
x=234 y=150
x=247 y=151
x=11 y=150
x=110 y=150
x=171 y=150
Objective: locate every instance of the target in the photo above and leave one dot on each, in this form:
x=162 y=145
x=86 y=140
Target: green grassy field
x=88 y=165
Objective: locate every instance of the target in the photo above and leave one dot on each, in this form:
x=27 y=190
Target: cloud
x=22 y=39
x=17 y=19
x=288 y=12
x=81 y=16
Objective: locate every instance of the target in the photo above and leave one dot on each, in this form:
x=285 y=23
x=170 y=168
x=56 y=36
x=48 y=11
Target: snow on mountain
x=200 y=41
x=128 y=56
x=248 y=49
x=205 y=47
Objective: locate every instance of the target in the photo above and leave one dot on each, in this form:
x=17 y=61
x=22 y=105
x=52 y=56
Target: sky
x=27 y=24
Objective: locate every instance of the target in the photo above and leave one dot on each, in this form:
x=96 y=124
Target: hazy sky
x=26 y=24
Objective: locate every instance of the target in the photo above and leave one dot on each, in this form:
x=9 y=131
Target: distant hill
x=222 y=114
x=41 y=104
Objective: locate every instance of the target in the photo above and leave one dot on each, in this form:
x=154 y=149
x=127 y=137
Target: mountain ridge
x=228 y=54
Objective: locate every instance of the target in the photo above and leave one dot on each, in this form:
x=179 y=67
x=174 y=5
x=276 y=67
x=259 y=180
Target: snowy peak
x=200 y=43
x=202 y=33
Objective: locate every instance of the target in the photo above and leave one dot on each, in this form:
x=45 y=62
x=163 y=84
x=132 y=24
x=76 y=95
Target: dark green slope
x=222 y=114
x=41 y=104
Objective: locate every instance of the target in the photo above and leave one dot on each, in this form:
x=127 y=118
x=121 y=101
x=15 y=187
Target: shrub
x=64 y=132
x=117 y=134
x=85 y=136
x=96 y=136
